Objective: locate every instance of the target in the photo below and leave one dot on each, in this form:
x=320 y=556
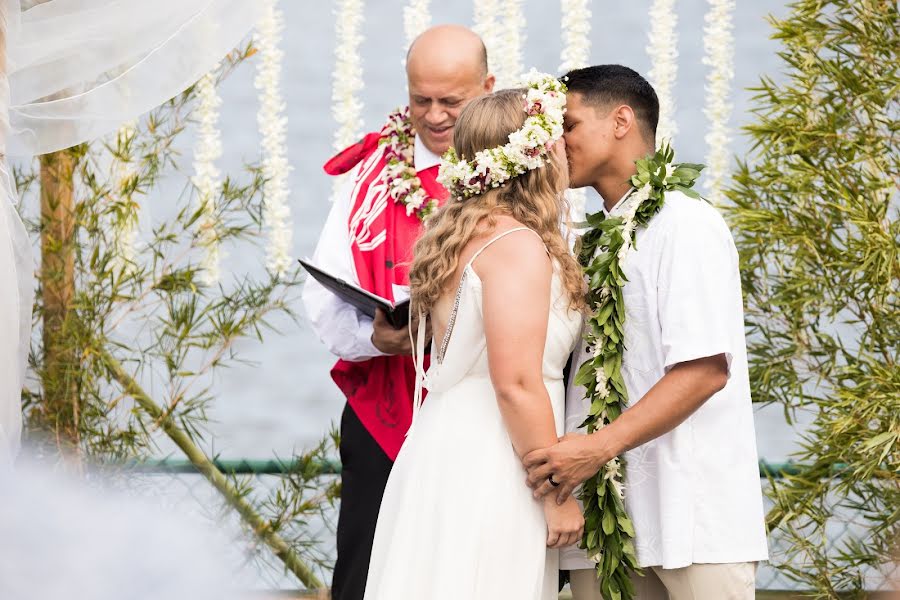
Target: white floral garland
x=348 y=80
x=663 y=51
x=487 y=25
x=272 y=123
x=718 y=43
x=510 y=43
x=576 y=29
x=416 y=19
x=528 y=148
x=207 y=178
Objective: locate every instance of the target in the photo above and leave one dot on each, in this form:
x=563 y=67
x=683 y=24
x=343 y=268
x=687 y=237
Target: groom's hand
x=571 y=462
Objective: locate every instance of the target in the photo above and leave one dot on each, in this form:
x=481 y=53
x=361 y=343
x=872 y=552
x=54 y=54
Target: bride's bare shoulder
x=520 y=250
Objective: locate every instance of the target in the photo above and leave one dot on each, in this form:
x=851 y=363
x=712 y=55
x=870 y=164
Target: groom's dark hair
x=604 y=85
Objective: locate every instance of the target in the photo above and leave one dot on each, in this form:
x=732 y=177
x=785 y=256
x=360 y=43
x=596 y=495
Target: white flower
x=273 y=127
x=576 y=29
x=629 y=209
x=416 y=19
x=718 y=44
x=612 y=470
x=670 y=170
x=618 y=488
x=487 y=25
x=509 y=44
x=602 y=388
x=206 y=177
x=663 y=51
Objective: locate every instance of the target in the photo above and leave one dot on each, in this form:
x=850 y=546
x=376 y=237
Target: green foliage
x=816 y=222
x=147 y=310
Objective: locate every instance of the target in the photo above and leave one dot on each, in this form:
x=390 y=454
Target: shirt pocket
x=638 y=345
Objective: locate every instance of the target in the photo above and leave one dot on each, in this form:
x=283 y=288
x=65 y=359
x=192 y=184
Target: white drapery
x=76 y=70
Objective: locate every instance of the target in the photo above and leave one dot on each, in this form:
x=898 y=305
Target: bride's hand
x=565 y=523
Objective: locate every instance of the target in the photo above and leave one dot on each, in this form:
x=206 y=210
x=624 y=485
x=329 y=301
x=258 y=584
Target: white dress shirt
x=345 y=331
x=694 y=493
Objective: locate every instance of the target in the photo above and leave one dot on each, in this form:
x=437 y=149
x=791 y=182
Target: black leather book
x=365 y=301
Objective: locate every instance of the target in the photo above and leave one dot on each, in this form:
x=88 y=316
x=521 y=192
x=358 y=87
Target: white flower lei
x=719 y=47
x=273 y=127
x=663 y=51
x=347 y=73
x=347 y=78
x=487 y=25
x=510 y=41
x=528 y=148
x=403 y=183
x=206 y=175
x=576 y=29
x=416 y=19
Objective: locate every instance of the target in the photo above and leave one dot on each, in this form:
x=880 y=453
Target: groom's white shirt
x=694 y=493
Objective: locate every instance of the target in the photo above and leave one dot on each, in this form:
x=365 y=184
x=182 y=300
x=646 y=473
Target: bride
x=503 y=293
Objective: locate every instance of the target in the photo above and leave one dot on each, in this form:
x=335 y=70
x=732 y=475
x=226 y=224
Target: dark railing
x=249 y=466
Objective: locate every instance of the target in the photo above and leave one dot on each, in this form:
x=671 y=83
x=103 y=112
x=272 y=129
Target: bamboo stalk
x=61 y=406
x=204 y=465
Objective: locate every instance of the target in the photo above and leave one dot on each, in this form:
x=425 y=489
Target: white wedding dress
x=457 y=521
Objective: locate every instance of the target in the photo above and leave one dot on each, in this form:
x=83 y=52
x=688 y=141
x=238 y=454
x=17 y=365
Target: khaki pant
x=728 y=581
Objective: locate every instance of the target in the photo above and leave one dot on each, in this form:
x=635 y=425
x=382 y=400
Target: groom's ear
x=624 y=121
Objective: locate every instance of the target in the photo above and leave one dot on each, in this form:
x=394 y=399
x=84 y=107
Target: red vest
x=380 y=390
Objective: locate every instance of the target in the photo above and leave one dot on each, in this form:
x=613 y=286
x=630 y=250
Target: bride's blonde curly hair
x=532 y=198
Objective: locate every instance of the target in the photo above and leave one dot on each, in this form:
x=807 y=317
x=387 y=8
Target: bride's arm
x=515 y=272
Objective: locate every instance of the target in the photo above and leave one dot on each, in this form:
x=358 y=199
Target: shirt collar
x=423 y=158
x=617 y=204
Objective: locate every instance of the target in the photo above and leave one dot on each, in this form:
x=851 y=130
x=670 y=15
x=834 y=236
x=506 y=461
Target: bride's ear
x=624 y=121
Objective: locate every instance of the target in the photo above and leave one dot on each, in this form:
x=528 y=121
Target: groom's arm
x=699 y=308
x=673 y=399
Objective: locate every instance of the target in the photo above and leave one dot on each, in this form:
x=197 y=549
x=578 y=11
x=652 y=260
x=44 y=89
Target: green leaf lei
x=608 y=532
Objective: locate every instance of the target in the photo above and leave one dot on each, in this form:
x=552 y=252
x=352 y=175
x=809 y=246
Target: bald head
x=446 y=66
x=448 y=45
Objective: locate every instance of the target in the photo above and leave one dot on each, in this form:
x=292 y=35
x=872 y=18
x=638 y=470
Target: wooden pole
x=60 y=410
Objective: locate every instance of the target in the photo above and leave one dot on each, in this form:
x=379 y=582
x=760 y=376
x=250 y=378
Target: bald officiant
x=368 y=239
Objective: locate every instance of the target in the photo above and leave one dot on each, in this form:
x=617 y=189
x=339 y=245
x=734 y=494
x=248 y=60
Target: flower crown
x=528 y=147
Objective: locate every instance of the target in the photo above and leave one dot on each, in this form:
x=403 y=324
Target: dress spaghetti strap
x=497 y=237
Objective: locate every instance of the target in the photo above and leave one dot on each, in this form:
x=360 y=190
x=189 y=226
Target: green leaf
x=625 y=524
x=608 y=522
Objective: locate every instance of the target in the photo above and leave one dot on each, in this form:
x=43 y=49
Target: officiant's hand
x=571 y=462
x=395 y=341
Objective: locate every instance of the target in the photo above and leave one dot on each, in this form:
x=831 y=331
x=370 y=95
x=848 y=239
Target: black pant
x=365 y=470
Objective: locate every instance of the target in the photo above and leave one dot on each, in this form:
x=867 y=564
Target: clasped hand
x=571 y=462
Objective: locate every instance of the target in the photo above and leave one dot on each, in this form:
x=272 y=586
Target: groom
x=692 y=486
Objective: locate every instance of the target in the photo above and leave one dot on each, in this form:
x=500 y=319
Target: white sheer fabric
x=76 y=70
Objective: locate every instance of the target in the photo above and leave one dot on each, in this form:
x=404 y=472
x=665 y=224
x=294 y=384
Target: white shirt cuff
x=364 y=341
